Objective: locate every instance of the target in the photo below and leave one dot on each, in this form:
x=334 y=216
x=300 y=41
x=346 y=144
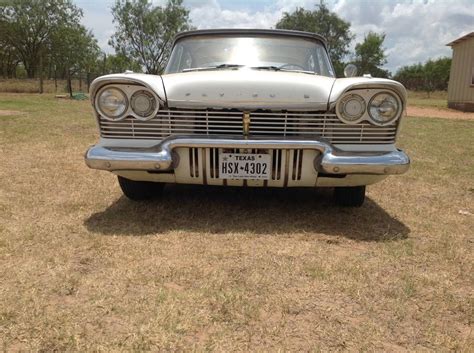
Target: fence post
x=55 y=79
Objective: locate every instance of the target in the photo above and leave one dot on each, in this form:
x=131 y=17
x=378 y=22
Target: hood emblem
x=246 y=123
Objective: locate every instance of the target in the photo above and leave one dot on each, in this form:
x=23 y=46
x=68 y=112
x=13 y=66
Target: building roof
x=461 y=39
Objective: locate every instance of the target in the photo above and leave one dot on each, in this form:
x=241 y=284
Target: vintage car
x=240 y=107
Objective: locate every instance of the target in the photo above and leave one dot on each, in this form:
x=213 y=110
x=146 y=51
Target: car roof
x=280 y=32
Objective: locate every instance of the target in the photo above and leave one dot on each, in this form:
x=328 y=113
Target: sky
x=416 y=30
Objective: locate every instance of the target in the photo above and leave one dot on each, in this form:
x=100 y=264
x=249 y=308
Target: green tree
x=411 y=76
x=9 y=60
x=120 y=63
x=433 y=75
x=436 y=74
x=74 y=50
x=370 y=55
x=326 y=23
x=145 y=32
x=27 y=26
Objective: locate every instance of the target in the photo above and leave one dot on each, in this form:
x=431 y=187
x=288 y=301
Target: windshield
x=279 y=53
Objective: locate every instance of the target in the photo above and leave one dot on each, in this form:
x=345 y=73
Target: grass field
x=438 y=99
x=214 y=269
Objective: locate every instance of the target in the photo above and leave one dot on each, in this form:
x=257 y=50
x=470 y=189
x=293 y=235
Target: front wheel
x=140 y=190
x=353 y=196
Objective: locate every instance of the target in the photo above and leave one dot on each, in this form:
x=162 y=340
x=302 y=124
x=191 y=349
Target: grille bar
x=285 y=124
x=254 y=126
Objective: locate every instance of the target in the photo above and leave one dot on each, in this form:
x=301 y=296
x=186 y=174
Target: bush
x=430 y=76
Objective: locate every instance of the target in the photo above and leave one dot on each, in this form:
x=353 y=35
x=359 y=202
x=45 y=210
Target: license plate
x=244 y=166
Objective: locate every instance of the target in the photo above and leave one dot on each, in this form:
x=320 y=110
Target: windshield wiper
x=234 y=66
x=270 y=67
x=217 y=67
x=276 y=68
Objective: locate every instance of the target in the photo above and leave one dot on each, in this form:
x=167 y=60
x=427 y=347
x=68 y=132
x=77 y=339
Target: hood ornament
x=246 y=123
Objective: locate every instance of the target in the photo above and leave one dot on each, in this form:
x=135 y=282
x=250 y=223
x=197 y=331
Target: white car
x=239 y=107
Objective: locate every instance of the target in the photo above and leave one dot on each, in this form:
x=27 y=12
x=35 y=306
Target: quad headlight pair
x=382 y=109
x=113 y=104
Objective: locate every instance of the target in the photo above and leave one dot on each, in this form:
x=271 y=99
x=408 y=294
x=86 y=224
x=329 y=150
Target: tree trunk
x=11 y=73
x=50 y=68
x=41 y=73
x=30 y=69
x=80 y=81
x=69 y=83
x=88 y=80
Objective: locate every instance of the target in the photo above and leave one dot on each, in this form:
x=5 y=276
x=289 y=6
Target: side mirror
x=350 y=70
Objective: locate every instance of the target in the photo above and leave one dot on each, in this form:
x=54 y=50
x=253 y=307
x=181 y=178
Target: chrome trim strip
x=330 y=160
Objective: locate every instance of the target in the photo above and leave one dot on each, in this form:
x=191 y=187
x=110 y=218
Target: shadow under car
x=219 y=210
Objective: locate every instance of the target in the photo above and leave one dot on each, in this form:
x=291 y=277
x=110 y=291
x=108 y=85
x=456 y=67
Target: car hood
x=247 y=89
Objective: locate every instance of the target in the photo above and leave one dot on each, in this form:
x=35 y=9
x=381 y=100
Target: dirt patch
x=439 y=113
x=9 y=112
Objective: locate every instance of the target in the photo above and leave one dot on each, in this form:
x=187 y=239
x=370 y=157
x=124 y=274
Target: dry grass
x=216 y=269
x=32 y=86
x=438 y=99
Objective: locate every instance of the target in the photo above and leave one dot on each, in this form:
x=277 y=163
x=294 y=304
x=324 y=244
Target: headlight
x=112 y=103
x=143 y=104
x=384 y=108
x=351 y=108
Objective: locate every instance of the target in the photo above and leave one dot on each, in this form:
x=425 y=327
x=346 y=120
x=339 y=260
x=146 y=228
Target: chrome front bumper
x=329 y=161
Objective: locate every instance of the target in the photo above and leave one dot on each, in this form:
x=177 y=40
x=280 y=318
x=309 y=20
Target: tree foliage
x=9 y=59
x=370 y=55
x=326 y=23
x=433 y=75
x=120 y=63
x=45 y=36
x=144 y=32
x=29 y=25
x=73 y=50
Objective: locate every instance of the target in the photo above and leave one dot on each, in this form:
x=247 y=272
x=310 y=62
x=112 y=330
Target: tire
x=353 y=196
x=140 y=190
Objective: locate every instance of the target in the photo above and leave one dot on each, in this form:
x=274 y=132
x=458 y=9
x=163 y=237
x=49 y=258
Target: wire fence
x=79 y=83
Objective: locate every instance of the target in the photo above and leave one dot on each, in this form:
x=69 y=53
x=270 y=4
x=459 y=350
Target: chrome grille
x=229 y=122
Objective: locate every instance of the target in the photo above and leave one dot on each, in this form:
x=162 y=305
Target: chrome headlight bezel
x=127 y=93
x=120 y=93
x=153 y=102
x=368 y=96
x=344 y=111
x=394 y=100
